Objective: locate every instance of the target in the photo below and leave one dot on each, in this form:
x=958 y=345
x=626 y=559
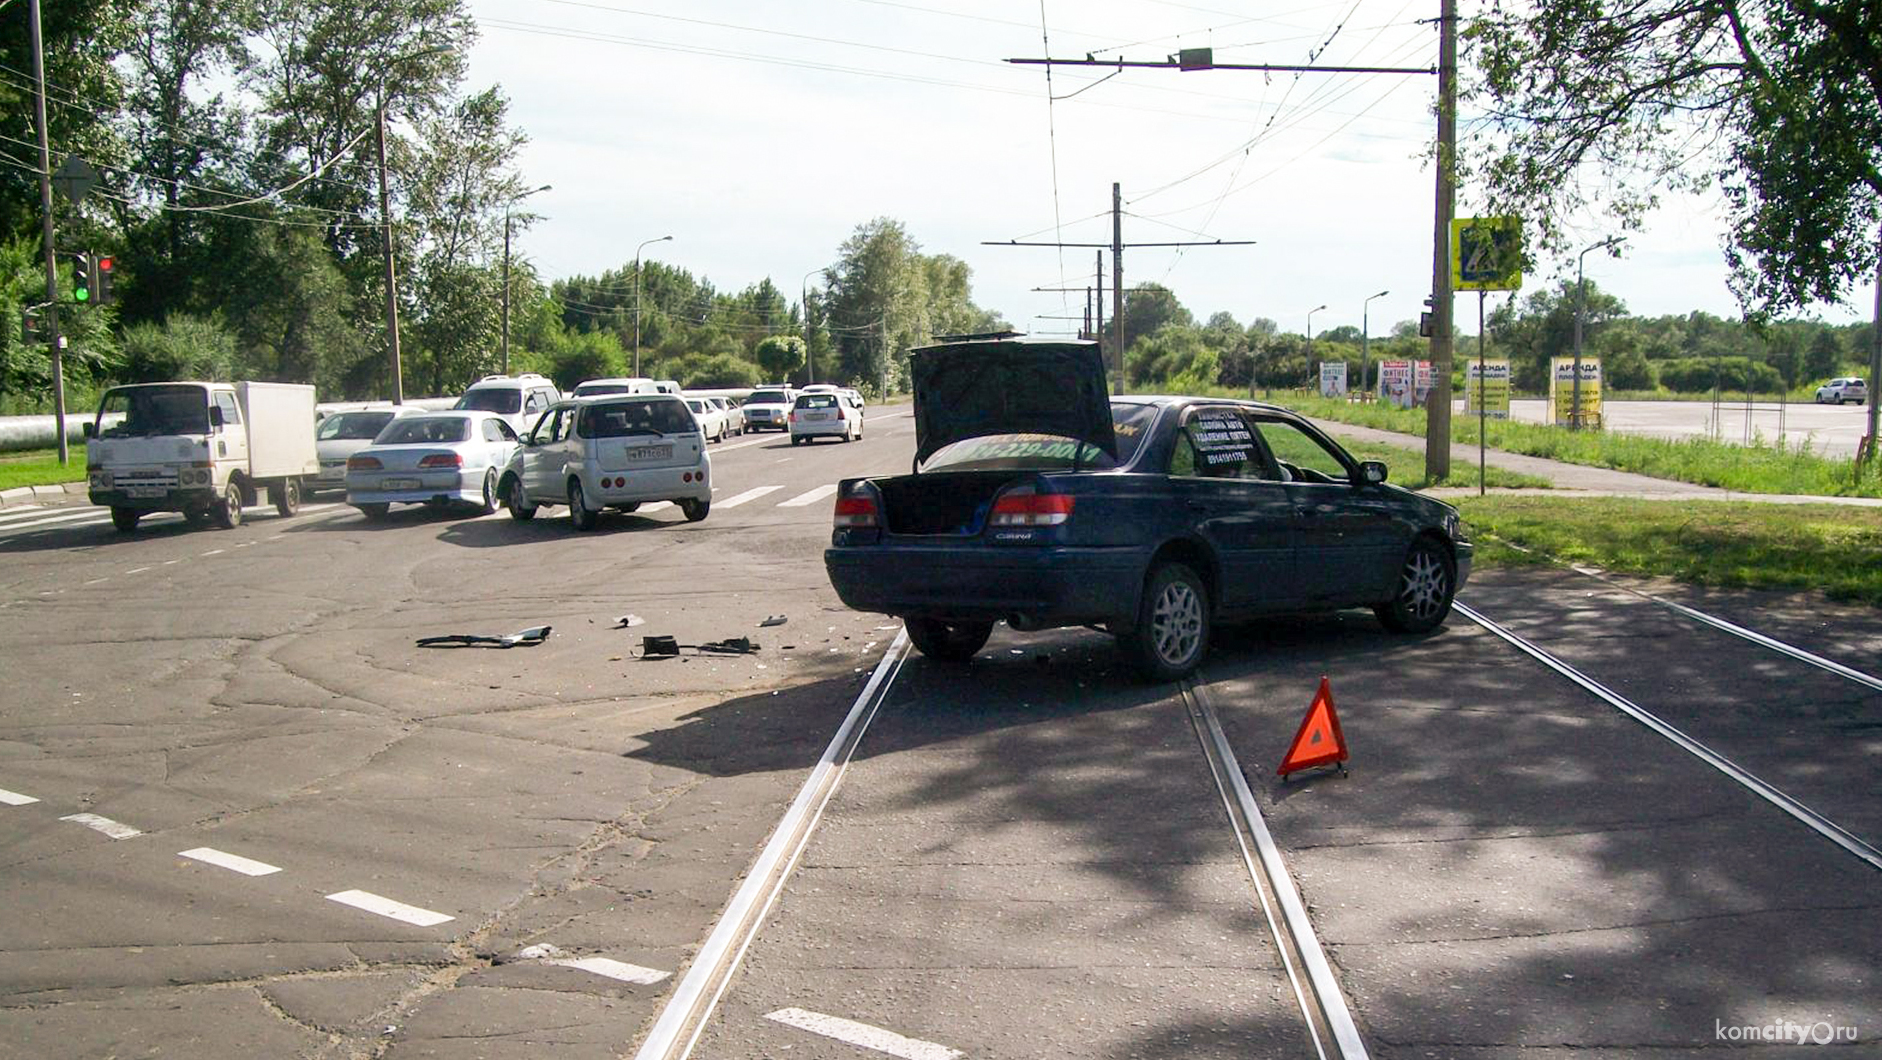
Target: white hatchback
x=611 y=452
x=826 y=413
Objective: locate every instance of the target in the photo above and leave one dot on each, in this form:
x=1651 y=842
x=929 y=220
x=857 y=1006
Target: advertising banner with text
x=1487 y=389
x=1562 y=391
x=1333 y=379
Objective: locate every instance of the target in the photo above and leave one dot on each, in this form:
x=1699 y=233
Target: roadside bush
x=1696 y=375
x=182 y=347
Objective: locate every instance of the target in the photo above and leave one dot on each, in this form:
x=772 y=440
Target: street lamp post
x=1310 y=367
x=1581 y=306
x=803 y=293
x=637 y=251
x=385 y=222
x=1365 y=339
x=506 y=271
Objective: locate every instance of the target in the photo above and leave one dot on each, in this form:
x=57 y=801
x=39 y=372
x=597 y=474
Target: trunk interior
x=941 y=503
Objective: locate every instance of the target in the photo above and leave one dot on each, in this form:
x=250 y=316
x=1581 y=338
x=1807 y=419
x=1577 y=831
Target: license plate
x=144 y=491
x=399 y=484
x=651 y=452
x=817 y=416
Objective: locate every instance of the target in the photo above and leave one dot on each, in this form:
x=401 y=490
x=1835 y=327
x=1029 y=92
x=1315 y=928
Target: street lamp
x=1365 y=338
x=1310 y=314
x=1581 y=306
x=506 y=271
x=385 y=222
x=637 y=251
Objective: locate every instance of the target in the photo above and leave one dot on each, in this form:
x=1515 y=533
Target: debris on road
x=662 y=647
x=532 y=635
x=773 y=620
x=626 y=621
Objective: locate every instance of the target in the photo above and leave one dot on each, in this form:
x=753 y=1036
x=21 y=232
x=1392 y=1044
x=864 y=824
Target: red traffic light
x=104 y=263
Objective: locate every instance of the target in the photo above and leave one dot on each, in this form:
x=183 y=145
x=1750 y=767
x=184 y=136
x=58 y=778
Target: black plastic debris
x=626 y=621
x=729 y=646
x=532 y=635
x=668 y=647
x=659 y=647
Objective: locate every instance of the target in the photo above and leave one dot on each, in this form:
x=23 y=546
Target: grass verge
x=40 y=467
x=1407 y=466
x=1756 y=468
x=1835 y=549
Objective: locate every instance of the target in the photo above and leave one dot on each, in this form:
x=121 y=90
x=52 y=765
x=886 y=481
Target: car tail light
x=793 y=415
x=442 y=460
x=1032 y=509
x=363 y=463
x=856 y=510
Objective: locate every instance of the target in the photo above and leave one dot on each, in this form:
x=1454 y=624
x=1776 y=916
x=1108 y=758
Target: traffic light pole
x=45 y=211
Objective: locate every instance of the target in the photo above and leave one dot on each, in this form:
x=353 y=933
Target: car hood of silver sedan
x=1003 y=386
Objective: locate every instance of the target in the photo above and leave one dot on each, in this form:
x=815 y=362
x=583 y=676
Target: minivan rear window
x=768 y=397
x=618 y=419
x=491 y=399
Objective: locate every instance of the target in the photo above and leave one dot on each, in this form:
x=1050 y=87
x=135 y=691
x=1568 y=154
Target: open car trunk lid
x=1008 y=386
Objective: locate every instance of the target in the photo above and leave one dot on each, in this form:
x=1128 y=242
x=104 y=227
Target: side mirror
x=215 y=415
x=90 y=429
x=1371 y=472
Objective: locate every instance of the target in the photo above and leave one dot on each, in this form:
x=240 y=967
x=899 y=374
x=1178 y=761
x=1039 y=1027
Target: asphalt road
x=1830 y=430
x=1027 y=857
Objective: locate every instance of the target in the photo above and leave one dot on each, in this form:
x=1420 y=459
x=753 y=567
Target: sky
x=760 y=135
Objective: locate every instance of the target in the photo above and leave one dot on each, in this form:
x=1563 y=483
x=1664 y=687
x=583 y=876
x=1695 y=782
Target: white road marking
x=626 y=973
x=137 y=570
x=13 y=512
x=171 y=562
x=863 y=1035
x=233 y=862
x=748 y=495
x=809 y=498
x=214 y=552
x=724 y=448
x=114 y=829
x=14 y=798
x=386 y=907
x=90 y=515
x=656 y=506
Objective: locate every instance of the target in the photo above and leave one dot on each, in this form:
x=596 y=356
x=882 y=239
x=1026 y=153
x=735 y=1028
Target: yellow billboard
x=1487 y=389
x=1563 y=392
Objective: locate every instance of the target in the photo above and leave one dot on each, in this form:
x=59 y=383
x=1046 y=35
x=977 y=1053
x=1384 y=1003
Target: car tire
x=285 y=496
x=581 y=517
x=948 y=641
x=695 y=510
x=125 y=519
x=1426 y=585
x=196 y=517
x=487 y=503
x=1171 y=633
x=516 y=500
x=374 y=512
x=227 y=512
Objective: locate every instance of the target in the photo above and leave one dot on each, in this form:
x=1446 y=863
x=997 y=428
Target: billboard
x=1562 y=391
x=1404 y=383
x=1487 y=389
x=1333 y=379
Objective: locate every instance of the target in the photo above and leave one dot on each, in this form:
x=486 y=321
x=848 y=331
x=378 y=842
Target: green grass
x=1408 y=468
x=1747 y=469
x=40 y=467
x=1836 y=549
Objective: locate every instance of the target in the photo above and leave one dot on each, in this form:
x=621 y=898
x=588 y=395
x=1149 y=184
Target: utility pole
x=52 y=257
x=1116 y=246
x=1875 y=354
x=392 y=276
x=1098 y=303
x=1443 y=333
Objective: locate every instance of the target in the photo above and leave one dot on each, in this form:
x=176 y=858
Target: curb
x=61 y=493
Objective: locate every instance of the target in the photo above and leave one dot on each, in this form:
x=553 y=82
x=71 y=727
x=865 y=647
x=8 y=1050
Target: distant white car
x=769 y=408
x=435 y=458
x=625 y=385
x=1842 y=390
x=734 y=416
x=826 y=413
x=711 y=418
x=342 y=434
x=519 y=399
x=619 y=451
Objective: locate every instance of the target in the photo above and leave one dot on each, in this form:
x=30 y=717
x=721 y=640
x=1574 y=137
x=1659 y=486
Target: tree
x=885 y=297
x=182 y=347
x=779 y=356
x=1782 y=99
x=1825 y=356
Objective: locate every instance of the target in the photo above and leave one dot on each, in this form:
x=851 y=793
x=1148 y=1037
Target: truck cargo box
x=280 y=419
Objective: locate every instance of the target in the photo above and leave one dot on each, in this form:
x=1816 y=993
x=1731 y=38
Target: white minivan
x=619 y=452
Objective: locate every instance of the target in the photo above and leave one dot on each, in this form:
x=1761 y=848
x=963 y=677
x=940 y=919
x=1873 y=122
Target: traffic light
x=30 y=325
x=81 y=279
x=107 y=272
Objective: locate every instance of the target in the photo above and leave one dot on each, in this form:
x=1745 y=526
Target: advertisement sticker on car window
x=1222 y=438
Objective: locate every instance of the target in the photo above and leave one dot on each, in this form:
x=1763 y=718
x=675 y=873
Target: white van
x=623 y=385
x=519 y=399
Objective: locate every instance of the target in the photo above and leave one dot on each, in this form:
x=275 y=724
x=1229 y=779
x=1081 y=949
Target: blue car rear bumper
x=1040 y=587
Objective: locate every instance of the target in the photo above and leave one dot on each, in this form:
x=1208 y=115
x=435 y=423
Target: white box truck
x=208 y=450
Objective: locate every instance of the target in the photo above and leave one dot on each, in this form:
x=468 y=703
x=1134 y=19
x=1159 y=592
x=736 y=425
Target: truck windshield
x=153 y=410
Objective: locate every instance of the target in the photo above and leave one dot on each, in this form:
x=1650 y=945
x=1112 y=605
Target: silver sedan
x=437 y=458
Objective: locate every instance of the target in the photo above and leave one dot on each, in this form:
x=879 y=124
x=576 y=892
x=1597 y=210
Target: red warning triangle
x=1319 y=740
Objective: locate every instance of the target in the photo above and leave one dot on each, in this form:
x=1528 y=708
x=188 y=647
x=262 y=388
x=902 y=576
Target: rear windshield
x=352 y=426
x=768 y=397
x=591 y=389
x=618 y=419
x=491 y=399
x=425 y=430
x=817 y=401
x=1047 y=452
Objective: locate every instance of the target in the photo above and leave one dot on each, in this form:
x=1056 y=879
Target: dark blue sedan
x=1037 y=500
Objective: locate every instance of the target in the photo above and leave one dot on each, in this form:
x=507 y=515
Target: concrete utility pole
x=52 y=255
x=1443 y=334
x=391 y=273
x=1875 y=355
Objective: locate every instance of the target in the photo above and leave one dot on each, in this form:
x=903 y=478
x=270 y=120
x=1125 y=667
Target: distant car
x=769 y=408
x=435 y=458
x=1842 y=390
x=601 y=387
x=856 y=396
x=341 y=434
x=711 y=418
x=825 y=413
x=519 y=399
x=1039 y=500
x=611 y=452
x=734 y=416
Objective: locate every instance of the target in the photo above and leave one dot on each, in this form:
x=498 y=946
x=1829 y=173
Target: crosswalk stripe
x=748 y=495
x=812 y=497
x=93 y=514
x=20 y=511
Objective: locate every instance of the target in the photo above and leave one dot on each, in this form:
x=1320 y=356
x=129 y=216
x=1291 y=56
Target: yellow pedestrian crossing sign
x=1487 y=253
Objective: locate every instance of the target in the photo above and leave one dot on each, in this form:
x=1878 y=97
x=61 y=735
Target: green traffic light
x=81 y=295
